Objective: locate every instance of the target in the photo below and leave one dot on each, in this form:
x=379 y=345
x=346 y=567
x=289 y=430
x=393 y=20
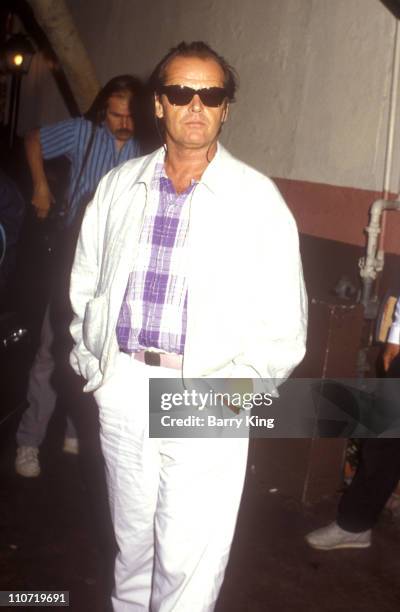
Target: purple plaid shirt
x=153 y=311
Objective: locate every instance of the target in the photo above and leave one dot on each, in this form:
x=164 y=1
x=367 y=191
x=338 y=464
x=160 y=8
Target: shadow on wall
x=393 y=6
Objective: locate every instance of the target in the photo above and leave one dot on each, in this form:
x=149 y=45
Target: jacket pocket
x=95 y=324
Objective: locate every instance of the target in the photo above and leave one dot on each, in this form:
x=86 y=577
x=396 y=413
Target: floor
x=55 y=531
x=55 y=535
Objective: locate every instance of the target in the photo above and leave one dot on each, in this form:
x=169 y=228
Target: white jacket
x=246 y=309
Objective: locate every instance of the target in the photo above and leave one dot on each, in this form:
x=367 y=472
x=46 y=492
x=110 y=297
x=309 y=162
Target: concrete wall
x=312 y=108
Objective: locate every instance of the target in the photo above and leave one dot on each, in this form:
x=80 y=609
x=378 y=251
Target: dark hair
x=124 y=85
x=201 y=50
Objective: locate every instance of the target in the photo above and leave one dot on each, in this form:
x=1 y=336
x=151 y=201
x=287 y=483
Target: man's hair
x=200 y=50
x=123 y=86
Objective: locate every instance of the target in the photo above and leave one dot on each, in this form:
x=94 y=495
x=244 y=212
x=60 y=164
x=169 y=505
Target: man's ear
x=158 y=107
x=225 y=113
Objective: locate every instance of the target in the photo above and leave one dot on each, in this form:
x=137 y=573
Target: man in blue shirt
x=94 y=144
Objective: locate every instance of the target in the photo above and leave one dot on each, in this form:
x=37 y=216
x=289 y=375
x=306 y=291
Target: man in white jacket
x=187 y=265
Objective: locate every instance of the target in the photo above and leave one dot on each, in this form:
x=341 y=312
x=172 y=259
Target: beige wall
x=315 y=76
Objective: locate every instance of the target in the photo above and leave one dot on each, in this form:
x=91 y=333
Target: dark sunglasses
x=179 y=95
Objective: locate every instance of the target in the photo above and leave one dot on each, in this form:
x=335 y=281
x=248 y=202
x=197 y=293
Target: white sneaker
x=27 y=462
x=71 y=446
x=332 y=537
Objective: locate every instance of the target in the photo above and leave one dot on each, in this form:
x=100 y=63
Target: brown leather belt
x=161 y=360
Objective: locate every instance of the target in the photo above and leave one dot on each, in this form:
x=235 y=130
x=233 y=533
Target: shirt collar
x=213 y=177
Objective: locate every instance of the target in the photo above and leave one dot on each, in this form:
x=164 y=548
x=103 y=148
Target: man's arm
x=277 y=345
x=83 y=285
x=389 y=353
x=392 y=346
x=41 y=197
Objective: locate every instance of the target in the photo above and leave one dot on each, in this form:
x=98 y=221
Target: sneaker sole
x=341 y=546
x=70 y=451
x=30 y=475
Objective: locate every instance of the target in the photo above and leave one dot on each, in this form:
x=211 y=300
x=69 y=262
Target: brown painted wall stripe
x=336 y=213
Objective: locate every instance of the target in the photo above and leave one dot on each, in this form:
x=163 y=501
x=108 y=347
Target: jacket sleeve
x=85 y=278
x=277 y=342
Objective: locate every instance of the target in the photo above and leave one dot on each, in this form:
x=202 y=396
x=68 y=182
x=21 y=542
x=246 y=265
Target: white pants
x=41 y=395
x=174 y=502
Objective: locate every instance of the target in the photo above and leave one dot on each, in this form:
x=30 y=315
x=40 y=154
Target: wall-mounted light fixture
x=16 y=55
x=18 y=52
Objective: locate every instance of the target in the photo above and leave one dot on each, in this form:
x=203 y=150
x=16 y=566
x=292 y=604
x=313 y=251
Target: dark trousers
x=376 y=478
x=377 y=475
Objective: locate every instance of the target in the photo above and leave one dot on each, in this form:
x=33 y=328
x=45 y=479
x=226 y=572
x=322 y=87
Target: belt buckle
x=152 y=359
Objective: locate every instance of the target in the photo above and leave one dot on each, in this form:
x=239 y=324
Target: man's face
x=119 y=119
x=195 y=125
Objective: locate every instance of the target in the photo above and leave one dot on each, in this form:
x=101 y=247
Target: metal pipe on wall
x=392 y=113
x=373 y=262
